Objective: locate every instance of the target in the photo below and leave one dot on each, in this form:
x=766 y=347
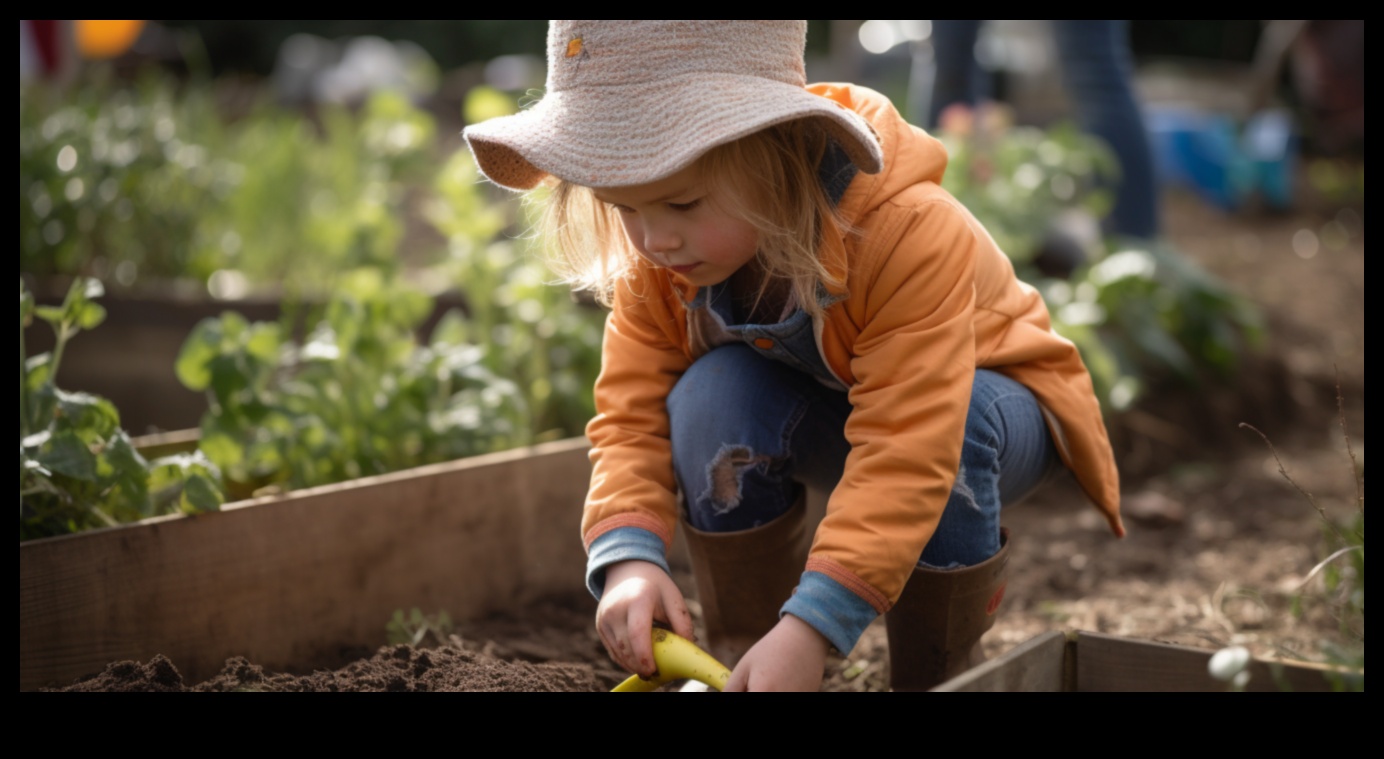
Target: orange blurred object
x=105 y=38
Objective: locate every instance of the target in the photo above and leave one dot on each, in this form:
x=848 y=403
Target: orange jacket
x=929 y=298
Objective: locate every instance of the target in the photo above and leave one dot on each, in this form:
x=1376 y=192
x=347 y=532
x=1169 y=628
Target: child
x=795 y=300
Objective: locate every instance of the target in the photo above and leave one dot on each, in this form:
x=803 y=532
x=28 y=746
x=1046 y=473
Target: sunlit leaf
x=222 y=447
x=67 y=454
x=264 y=342
x=92 y=414
x=200 y=494
x=90 y=315
x=90 y=287
x=51 y=314
x=193 y=366
x=130 y=472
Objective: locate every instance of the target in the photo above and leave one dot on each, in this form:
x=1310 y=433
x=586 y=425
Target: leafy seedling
x=413 y=627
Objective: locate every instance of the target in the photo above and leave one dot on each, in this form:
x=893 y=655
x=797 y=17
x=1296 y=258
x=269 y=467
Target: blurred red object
x=47 y=35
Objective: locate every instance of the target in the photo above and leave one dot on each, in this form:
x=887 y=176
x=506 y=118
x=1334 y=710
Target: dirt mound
x=449 y=668
x=550 y=646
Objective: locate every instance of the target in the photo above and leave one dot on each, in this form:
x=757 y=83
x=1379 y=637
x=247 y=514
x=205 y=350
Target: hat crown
x=604 y=53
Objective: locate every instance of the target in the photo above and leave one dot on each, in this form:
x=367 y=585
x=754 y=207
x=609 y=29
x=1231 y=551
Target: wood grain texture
x=1106 y=663
x=1037 y=666
x=289 y=581
x=1092 y=662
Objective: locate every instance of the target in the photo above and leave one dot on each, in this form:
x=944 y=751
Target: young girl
x=795 y=301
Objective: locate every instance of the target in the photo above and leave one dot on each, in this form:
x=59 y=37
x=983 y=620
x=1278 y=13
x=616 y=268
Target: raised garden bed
x=278 y=593
x=1092 y=662
x=292 y=581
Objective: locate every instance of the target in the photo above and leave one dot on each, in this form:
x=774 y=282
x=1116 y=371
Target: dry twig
x=1354 y=465
x=1281 y=470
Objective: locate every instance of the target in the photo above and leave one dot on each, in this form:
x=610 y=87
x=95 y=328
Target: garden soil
x=1220 y=544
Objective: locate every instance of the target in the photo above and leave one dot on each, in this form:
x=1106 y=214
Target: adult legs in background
x=945 y=71
x=1098 y=73
x=1098 y=69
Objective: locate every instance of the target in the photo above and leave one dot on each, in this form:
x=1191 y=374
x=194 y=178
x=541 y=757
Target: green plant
x=1139 y=310
x=535 y=333
x=357 y=396
x=153 y=181
x=1344 y=578
x=1017 y=180
x=1143 y=312
x=1342 y=569
x=77 y=467
x=413 y=628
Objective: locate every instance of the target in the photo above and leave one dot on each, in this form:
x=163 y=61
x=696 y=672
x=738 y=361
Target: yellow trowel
x=677 y=658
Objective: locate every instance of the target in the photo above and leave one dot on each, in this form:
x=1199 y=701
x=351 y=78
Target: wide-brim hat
x=632 y=102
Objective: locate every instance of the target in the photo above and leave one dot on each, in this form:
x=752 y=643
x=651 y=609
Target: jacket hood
x=911 y=156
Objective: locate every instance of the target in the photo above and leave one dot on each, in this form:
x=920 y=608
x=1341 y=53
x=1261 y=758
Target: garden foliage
x=77 y=467
x=1137 y=309
x=535 y=333
x=155 y=182
x=1344 y=579
x=357 y=396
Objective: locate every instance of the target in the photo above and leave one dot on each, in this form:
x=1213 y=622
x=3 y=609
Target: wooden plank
x=130 y=358
x=1036 y=665
x=162 y=444
x=1110 y=664
x=289 y=581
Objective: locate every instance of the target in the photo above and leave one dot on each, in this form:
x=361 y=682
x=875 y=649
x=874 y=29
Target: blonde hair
x=767 y=179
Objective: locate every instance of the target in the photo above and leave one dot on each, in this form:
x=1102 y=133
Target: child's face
x=674 y=224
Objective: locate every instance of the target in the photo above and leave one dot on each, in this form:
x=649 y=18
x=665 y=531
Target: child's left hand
x=792 y=657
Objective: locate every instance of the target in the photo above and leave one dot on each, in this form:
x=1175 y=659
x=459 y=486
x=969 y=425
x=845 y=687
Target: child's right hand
x=637 y=593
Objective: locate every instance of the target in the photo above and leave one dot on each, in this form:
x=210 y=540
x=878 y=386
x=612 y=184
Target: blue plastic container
x=1209 y=154
x=1271 y=145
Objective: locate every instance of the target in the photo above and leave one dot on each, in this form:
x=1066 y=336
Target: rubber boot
x=743 y=578
x=935 y=627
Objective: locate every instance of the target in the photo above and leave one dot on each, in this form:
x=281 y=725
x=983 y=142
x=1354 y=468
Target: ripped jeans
x=745 y=427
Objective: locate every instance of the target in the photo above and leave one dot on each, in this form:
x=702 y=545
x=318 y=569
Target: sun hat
x=631 y=102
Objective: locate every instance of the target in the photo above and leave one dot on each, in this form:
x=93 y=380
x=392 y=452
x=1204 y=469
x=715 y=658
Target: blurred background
x=280 y=246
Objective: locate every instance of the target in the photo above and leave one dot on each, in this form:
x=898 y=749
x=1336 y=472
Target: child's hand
x=792 y=657
x=636 y=594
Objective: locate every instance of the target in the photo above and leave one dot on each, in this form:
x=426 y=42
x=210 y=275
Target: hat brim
x=617 y=136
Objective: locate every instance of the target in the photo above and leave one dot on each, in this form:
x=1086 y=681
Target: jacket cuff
x=621 y=544
x=831 y=609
